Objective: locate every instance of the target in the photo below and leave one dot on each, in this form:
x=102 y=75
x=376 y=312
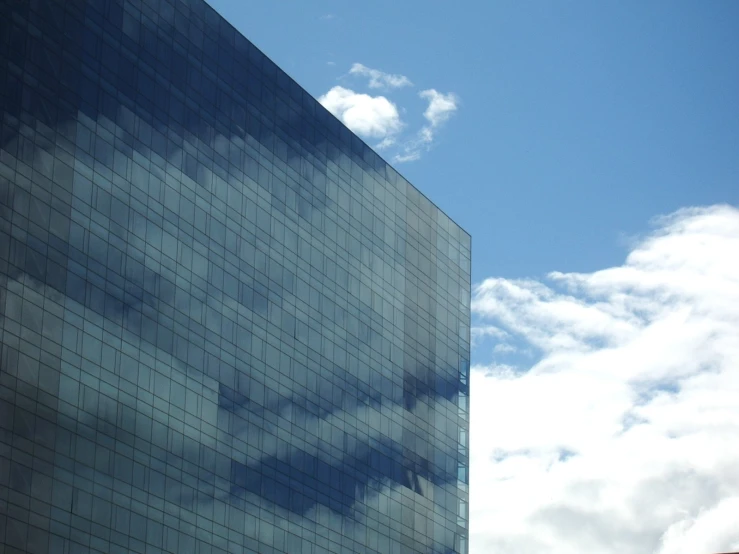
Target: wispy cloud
x=380 y=79
x=327 y=17
x=369 y=116
x=479 y=332
x=624 y=435
x=386 y=143
x=440 y=108
x=504 y=348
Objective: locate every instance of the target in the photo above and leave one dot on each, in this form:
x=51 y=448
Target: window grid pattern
x=227 y=325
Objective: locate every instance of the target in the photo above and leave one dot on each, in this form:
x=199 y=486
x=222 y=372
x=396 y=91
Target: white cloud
x=440 y=108
x=369 y=116
x=624 y=435
x=711 y=531
x=380 y=79
x=378 y=117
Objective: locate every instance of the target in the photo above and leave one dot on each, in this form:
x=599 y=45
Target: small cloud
x=380 y=79
x=370 y=116
x=327 y=17
x=441 y=107
x=378 y=117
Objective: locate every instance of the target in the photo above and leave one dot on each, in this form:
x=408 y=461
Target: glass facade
x=227 y=325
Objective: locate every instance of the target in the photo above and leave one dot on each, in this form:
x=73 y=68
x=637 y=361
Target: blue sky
x=592 y=151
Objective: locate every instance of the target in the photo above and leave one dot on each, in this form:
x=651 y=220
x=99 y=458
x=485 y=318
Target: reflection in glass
x=226 y=324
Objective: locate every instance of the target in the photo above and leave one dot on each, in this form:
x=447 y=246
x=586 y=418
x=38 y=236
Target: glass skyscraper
x=227 y=325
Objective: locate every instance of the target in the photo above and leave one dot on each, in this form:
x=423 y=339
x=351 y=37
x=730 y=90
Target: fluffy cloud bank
x=624 y=435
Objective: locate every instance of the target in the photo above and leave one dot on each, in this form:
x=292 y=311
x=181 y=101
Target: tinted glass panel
x=226 y=324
